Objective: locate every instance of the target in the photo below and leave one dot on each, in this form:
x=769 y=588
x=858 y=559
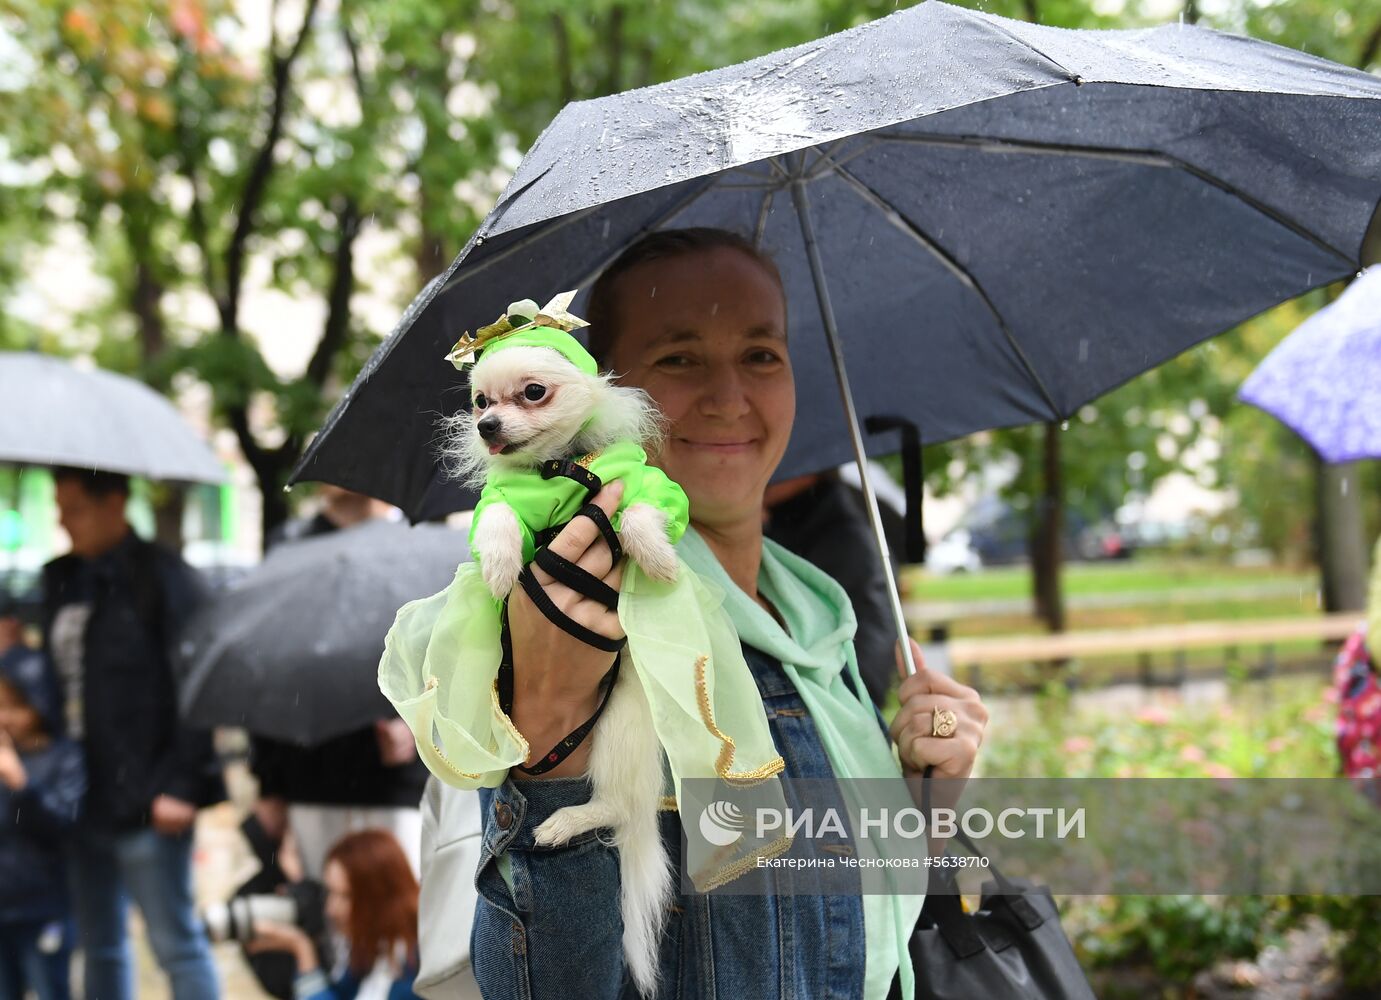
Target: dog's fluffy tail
x=644 y=871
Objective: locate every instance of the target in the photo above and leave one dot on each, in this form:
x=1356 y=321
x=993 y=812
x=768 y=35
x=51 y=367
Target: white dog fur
x=579 y=414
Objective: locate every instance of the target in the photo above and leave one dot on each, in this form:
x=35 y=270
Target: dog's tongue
x=494 y=449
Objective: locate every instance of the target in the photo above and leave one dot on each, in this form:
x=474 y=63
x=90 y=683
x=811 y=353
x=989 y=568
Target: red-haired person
x=371 y=902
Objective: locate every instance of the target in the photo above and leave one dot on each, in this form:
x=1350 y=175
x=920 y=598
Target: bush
x=1283 y=729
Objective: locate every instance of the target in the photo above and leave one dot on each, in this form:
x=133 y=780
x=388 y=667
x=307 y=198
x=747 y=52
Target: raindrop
x=1342 y=487
x=1083 y=349
x=606 y=229
x=714 y=309
x=1064 y=425
x=654 y=292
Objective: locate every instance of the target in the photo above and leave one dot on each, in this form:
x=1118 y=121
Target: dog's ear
x=622 y=414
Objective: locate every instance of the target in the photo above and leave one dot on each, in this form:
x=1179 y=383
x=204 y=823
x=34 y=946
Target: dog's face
x=528 y=405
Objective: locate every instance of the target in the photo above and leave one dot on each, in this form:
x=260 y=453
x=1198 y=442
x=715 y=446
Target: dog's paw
x=644 y=535
x=558 y=828
x=499 y=546
x=501 y=573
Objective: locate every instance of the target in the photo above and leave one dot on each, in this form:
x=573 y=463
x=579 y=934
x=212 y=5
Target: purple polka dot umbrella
x=1324 y=380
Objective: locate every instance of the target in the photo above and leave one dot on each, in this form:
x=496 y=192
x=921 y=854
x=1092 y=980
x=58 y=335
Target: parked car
x=953 y=554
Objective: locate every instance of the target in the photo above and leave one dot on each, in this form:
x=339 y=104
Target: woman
x=371 y=901
x=697 y=318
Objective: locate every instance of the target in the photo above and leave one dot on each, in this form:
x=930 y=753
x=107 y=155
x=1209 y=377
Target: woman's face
x=337 y=883
x=704 y=334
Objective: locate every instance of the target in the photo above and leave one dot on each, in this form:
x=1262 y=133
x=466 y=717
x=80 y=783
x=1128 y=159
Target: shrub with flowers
x=1283 y=729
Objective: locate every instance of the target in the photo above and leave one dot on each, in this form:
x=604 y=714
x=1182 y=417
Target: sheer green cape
x=440 y=667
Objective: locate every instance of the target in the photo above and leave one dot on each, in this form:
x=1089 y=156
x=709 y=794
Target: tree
x=202 y=160
x=190 y=162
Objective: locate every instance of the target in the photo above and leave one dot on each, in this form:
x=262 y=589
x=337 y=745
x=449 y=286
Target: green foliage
x=1280 y=731
x=1176 y=936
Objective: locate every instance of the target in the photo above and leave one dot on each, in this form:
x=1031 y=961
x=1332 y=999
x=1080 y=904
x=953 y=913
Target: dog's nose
x=489 y=427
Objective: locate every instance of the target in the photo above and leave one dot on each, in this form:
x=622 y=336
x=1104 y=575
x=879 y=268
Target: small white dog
x=534 y=403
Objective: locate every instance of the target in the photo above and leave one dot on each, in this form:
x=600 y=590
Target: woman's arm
x=310 y=983
x=556 y=676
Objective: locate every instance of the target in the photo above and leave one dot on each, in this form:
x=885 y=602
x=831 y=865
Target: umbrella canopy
x=1010 y=220
x=292 y=650
x=1324 y=380
x=54 y=413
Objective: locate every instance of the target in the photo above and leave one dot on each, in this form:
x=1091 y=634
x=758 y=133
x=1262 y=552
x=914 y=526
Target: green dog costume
x=543 y=502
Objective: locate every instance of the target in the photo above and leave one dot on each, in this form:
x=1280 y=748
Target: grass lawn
x=1130 y=576
x=1193 y=591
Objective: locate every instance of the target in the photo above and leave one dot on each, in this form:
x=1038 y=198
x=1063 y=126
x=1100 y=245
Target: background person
x=42 y=781
x=824 y=521
x=371 y=901
x=112 y=608
x=369 y=778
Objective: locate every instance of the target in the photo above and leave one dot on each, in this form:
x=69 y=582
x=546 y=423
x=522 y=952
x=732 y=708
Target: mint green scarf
x=814 y=649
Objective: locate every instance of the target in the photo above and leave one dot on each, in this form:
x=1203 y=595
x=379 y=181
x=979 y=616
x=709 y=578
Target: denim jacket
x=558 y=934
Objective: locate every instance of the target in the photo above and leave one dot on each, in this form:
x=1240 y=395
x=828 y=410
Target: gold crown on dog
x=522 y=315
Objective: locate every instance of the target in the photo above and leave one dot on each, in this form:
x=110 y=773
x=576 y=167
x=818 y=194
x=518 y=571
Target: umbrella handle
x=870 y=501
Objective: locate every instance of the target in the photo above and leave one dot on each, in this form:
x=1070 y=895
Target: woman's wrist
x=305 y=954
x=544 y=724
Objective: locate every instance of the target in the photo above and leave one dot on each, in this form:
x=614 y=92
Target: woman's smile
x=718 y=447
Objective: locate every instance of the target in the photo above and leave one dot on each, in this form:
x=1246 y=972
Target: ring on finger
x=943 y=722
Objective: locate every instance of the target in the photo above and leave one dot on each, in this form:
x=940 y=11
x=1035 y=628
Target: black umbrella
x=53 y=412
x=292 y=650
x=996 y=221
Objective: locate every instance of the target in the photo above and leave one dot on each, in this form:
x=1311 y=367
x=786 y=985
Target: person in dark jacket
x=112 y=608
x=42 y=780
x=823 y=519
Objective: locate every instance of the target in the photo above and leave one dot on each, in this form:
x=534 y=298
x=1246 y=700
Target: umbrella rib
x=824 y=165
x=1146 y=158
x=760 y=229
x=905 y=225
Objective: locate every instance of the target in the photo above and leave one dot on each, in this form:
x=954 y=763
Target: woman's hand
x=556 y=676
x=172 y=817
x=269 y=936
x=921 y=695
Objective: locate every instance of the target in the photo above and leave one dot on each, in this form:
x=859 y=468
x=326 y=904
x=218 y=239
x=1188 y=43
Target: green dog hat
x=526 y=325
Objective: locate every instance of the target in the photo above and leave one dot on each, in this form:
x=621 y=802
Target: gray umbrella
x=996 y=221
x=55 y=413
x=292 y=650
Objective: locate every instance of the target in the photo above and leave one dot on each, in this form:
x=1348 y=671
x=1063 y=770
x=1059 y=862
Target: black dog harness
x=587 y=585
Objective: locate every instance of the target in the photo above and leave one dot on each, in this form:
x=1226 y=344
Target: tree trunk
x=146 y=301
x=1342 y=537
x=272 y=473
x=1047 y=537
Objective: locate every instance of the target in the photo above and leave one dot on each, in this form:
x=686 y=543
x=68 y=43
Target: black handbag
x=1011 y=946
